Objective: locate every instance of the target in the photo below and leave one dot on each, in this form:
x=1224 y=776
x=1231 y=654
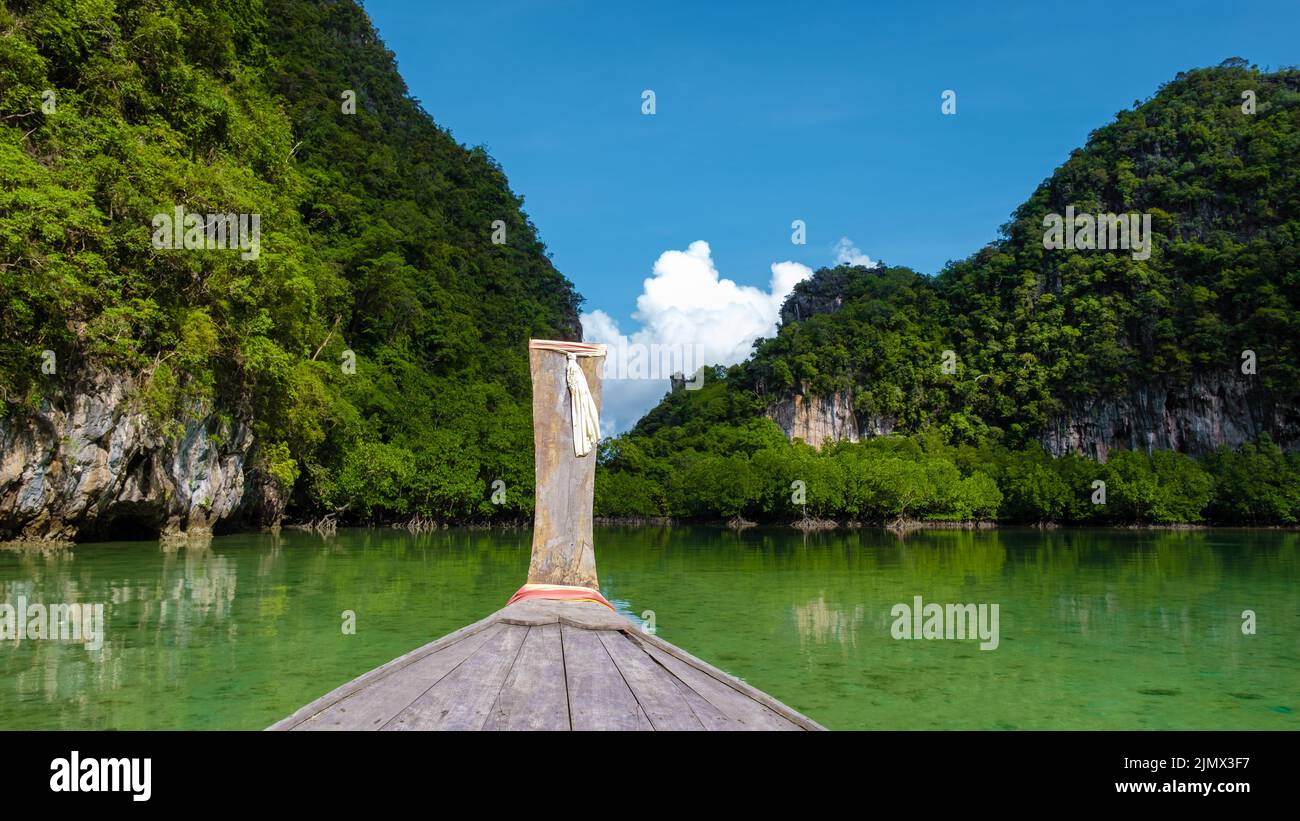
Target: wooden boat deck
x=547 y=665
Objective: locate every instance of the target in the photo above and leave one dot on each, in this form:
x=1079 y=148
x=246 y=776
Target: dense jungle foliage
x=376 y=245
x=1029 y=330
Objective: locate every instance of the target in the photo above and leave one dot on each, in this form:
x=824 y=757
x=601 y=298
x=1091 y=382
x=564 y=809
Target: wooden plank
x=652 y=685
x=463 y=698
x=731 y=681
x=711 y=717
x=552 y=611
x=365 y=679
x=599 y=698
x=379 y=701
x=535 y=696
x=562 y=541
x=743 y=711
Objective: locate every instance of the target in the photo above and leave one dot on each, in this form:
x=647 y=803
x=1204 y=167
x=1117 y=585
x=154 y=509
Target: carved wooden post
x=562 y=542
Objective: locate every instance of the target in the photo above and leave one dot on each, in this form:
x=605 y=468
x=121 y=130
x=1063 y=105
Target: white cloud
x=686 y=304
x=846 y=253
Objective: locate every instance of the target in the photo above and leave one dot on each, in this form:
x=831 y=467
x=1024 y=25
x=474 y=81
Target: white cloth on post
x=586 y=419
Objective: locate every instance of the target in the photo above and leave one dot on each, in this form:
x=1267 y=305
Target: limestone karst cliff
x=821 y=419
x=370 y=356
x=91 y=464
x=1212 y=411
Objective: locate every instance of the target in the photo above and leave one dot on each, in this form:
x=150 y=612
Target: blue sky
x=771 y=112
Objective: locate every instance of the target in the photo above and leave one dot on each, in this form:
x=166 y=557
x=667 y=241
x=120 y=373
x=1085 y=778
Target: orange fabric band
x=562 y=592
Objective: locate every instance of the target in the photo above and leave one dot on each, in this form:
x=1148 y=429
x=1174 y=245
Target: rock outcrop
x=91 y=466
x=821 y=419
x=1212 y=411
x=824 y=293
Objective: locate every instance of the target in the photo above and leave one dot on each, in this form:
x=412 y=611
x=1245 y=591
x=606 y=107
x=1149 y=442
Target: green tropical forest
x=376 y=346
x=1027 y=332
x=376 y=247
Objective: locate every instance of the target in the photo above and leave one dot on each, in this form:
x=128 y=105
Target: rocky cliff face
x=1211 y=411
x=824 y=293
x=91 y=467
x=820 y=419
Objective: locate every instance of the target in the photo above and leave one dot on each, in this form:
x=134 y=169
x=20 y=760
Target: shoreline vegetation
x=748 y=472
x=899 y=528
x=898 y=483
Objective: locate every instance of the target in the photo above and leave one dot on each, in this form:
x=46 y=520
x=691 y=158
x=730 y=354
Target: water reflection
x=821 y=623
x=1116 y=629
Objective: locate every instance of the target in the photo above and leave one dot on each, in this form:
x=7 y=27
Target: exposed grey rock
x=821 y=419
x=822 y=293
x=83 y=466
x=1211 y=411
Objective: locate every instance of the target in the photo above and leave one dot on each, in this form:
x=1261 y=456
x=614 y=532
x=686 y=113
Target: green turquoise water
x=1097 y=629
